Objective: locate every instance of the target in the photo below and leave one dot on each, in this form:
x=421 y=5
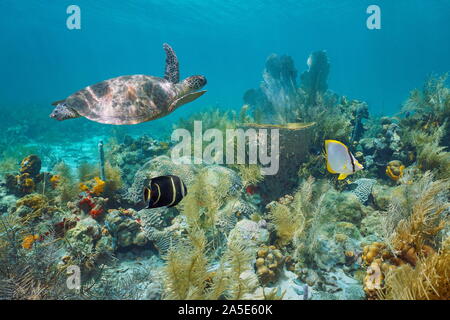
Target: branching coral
x=431 y=105
x=414 y=261
x=188 y=274
x=67 y=188
x=428 y=280
x=113 y=179
x=426 y=127
x=25 y=273
x=290 y=218
x=434 y=157
x=87 y=171
x=250 y=174
x=239 y=259
x=211 y=189
x=186 y=271
x=426 y=218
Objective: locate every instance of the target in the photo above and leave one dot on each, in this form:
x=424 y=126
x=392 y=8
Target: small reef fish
x=340 y=159
x=164 y=191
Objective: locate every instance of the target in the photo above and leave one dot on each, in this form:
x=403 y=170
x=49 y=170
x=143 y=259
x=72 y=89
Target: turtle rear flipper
x=185 y=99
x=172 y=72
x=58 y=102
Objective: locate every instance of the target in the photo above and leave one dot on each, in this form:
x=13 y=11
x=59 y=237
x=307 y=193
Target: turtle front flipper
x=185 y=99
x=172 y=72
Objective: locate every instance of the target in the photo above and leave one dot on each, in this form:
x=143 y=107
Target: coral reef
x=238 y=234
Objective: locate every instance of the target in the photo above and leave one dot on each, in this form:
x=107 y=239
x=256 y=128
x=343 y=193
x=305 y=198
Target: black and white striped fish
x=164 y=191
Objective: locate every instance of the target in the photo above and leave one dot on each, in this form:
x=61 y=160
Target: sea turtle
x=132 y=99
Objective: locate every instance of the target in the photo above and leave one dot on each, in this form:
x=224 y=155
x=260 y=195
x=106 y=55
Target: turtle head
x=193 y=83
x=62 y=112
x=188 y=91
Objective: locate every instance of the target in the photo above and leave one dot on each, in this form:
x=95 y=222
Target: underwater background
x=301 y=234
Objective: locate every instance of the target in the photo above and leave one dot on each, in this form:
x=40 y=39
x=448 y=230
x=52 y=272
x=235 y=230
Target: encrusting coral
x=28 y=241
x=394 y=169
x=268 y=264
x=29 y=177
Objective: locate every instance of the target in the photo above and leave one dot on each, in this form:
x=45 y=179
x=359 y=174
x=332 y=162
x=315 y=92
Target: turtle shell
x=124 y=100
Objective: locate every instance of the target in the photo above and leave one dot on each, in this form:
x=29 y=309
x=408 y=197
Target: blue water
x=227 y=41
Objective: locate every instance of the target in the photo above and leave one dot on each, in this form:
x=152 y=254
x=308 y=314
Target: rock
x=216 y=175
x=337 y=232
x=154 y=291
x=382 y=196
x=344 y=287
x=125 y=228
x=86 y=237
x=251 y=232
x=341 y=206
x=371 y=225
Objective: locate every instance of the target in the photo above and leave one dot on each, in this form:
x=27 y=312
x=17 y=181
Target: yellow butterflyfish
x=340 y=160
